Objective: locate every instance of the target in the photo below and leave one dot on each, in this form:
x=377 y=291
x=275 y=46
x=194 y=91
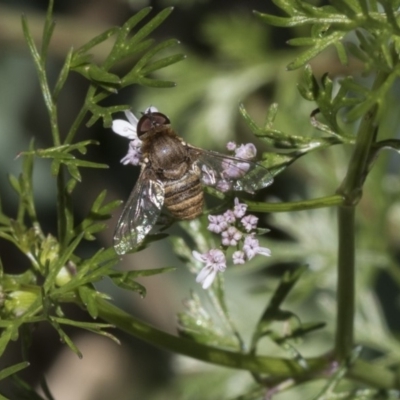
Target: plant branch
x=351 y=190
x=321 y=202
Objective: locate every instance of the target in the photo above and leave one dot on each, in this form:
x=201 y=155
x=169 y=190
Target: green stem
x=345 y=283
x=61 y=207
x=277 y=367
x=79 y=118
x=351 y=190
x=321 y=202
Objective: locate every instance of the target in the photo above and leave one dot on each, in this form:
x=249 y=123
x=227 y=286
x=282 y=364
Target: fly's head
x=151 y=123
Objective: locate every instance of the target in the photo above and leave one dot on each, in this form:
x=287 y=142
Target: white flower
x=129 y=130
x=251 y=248
x=125 y=128
x=215 y=262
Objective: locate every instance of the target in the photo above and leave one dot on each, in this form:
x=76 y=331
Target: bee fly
x=172 y=174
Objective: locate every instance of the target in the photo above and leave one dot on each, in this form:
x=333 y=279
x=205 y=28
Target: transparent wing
x=226 y=173
x=140 y=213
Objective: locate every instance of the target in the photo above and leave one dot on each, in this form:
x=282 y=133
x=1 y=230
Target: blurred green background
x=232 y=58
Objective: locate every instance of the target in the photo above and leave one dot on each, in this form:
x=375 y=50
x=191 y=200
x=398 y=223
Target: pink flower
x=134 y=155
x=234 y=169
x=217 y=223
x=215 y=262
x=238 y=257
x=223 y=185
x=231 y=146
x=249 y=222
x=239 y=209
x=251 y=248
x=229 y=216
x=246 y=151
x=231 y=236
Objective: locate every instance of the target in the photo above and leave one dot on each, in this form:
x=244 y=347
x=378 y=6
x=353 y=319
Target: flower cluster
x=237 y=230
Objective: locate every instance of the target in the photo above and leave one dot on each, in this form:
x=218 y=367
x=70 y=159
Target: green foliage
x=57 y=275
x=330 y=110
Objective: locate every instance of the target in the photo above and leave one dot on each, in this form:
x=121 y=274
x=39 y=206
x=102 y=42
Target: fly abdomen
x=184 y=197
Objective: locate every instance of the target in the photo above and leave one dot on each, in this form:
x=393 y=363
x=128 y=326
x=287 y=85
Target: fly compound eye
x=150 y=121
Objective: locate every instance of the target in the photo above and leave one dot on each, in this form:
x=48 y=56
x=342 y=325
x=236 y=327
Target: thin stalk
x=321 y=202
x=345 y=283
x=275 y=367
x=351 y=189
x=61 y=207
x=81 y=115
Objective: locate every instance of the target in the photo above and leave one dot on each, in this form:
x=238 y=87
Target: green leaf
x=48 y=30
x=97 y=40
x=123 y=32
x=273 y=311
x=156 y=83
x=90 y=326
x=125 y=282
x=162 y=63
x=317 y=48
x=195 y=323
x=97 y=74
x=152 y=25
x=25 y=390
x=64 y=337
x=15 y=184
x=5 y=337
x=63 y=75
x=89 y=299
x=6 y=372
